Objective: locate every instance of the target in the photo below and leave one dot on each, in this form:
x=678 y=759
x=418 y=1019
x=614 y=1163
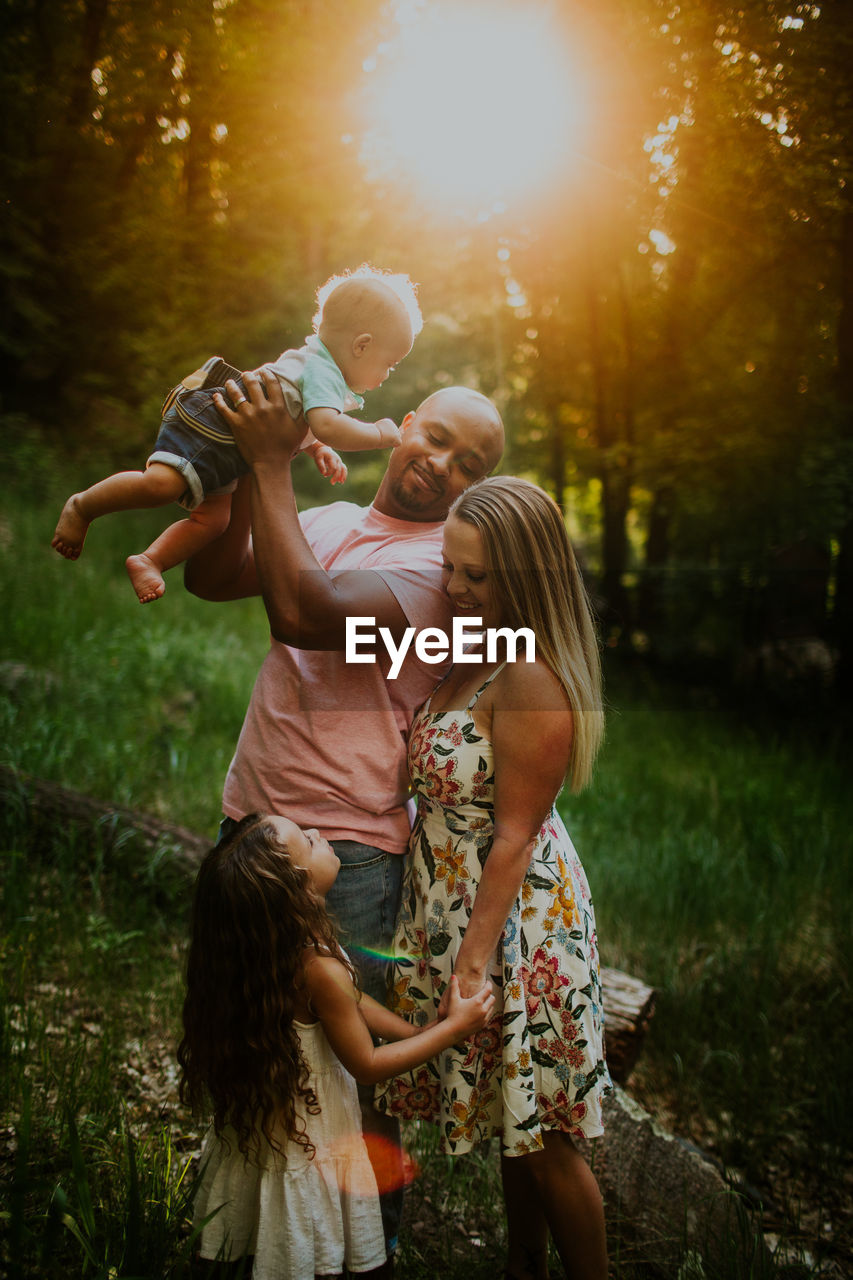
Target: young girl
x=274 y=1032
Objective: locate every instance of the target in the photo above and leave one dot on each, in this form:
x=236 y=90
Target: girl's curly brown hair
x=253 y=916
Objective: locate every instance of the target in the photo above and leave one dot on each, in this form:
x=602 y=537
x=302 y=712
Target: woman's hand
x=261 y=425
x=468 y=983
x=466 y=1014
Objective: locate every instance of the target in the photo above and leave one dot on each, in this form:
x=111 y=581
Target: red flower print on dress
x=548 y=830
x=420 y=741
x=485 y=1045
x=542 y=981
x=478 y=784
x=570 y=1027
x=438 y=782
x=556 y=1113
x=559 y=1051
x=420 y=953
x=417 y=1100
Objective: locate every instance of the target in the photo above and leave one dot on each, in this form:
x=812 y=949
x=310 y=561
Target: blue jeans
x=364 y=901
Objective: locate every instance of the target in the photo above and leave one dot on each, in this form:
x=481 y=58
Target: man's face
x=450 y=442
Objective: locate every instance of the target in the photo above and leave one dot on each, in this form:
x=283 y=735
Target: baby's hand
x=389 y=433
x=328 y=463
x=469 y=1013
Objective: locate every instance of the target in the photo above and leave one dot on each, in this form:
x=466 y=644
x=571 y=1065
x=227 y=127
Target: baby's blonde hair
x=538 y=584
x=368 y=300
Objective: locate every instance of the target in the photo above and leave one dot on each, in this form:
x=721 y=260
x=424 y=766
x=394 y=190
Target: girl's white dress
x=298 y=1216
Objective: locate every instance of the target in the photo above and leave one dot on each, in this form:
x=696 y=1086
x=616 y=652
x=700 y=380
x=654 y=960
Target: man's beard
x=411 y=499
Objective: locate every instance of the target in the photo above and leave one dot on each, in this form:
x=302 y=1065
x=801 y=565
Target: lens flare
x=394 y=1168
x=389 y=957
x=478 y=106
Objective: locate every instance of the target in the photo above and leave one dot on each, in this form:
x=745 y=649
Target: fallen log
x=628 y=1007
x=40 y=808
x=682 y=1214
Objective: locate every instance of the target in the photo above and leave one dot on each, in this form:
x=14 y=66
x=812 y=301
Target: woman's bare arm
x=531 y=736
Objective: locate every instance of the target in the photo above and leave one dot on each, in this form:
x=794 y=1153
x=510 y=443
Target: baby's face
x=368 y=363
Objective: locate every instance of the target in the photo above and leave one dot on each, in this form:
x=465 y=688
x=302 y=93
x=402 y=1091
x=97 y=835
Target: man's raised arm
x=306 y=607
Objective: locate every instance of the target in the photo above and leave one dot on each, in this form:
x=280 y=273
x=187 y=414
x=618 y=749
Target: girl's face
x=308 y=849
x=464 y=575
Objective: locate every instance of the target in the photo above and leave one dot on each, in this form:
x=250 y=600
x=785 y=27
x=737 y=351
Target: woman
x=495 y=888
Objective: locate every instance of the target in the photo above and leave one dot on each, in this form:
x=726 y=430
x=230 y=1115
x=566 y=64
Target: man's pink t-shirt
x=324 y=741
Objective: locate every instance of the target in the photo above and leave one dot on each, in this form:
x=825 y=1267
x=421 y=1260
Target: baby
x=365 y=324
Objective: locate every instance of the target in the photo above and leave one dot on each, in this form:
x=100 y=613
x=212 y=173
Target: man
x=324 y=741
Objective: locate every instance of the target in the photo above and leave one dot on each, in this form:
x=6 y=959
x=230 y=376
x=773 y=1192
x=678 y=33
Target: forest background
x=665 y=318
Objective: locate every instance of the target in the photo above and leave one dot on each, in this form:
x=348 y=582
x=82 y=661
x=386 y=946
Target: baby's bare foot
x=71 y=530
x=146 y=578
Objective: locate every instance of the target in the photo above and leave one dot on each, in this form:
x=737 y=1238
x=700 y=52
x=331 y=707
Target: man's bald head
x=471 y=406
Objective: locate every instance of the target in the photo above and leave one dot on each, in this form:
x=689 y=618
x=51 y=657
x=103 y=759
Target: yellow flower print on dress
x=400 y=1001
x=470 y=1115
x=527 y=912
x=563 y=899
x=450 y=866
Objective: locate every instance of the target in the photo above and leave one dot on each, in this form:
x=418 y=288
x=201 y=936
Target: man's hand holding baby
x=261 y=425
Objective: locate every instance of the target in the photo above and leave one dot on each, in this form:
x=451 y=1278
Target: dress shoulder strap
x=484 y=686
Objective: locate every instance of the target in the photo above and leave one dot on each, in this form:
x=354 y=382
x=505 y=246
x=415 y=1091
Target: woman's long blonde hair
x=538 y=584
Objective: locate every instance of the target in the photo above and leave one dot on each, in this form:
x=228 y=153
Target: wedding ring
x=242 y=400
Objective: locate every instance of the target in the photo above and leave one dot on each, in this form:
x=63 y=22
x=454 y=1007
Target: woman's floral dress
x=539 y=1064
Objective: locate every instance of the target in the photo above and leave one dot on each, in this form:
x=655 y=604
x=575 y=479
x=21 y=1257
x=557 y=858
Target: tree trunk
x=615 y=484
x=650 y=608
x=843 y=613
x=200 y=79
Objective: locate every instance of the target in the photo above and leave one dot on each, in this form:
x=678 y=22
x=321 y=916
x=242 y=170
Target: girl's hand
x=467 y=1014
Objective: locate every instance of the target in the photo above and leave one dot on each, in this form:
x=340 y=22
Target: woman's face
x=464 y=575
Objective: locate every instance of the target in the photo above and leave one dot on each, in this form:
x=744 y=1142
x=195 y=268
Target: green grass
x=717 y=847
x=719 y=853
x=139 y=704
